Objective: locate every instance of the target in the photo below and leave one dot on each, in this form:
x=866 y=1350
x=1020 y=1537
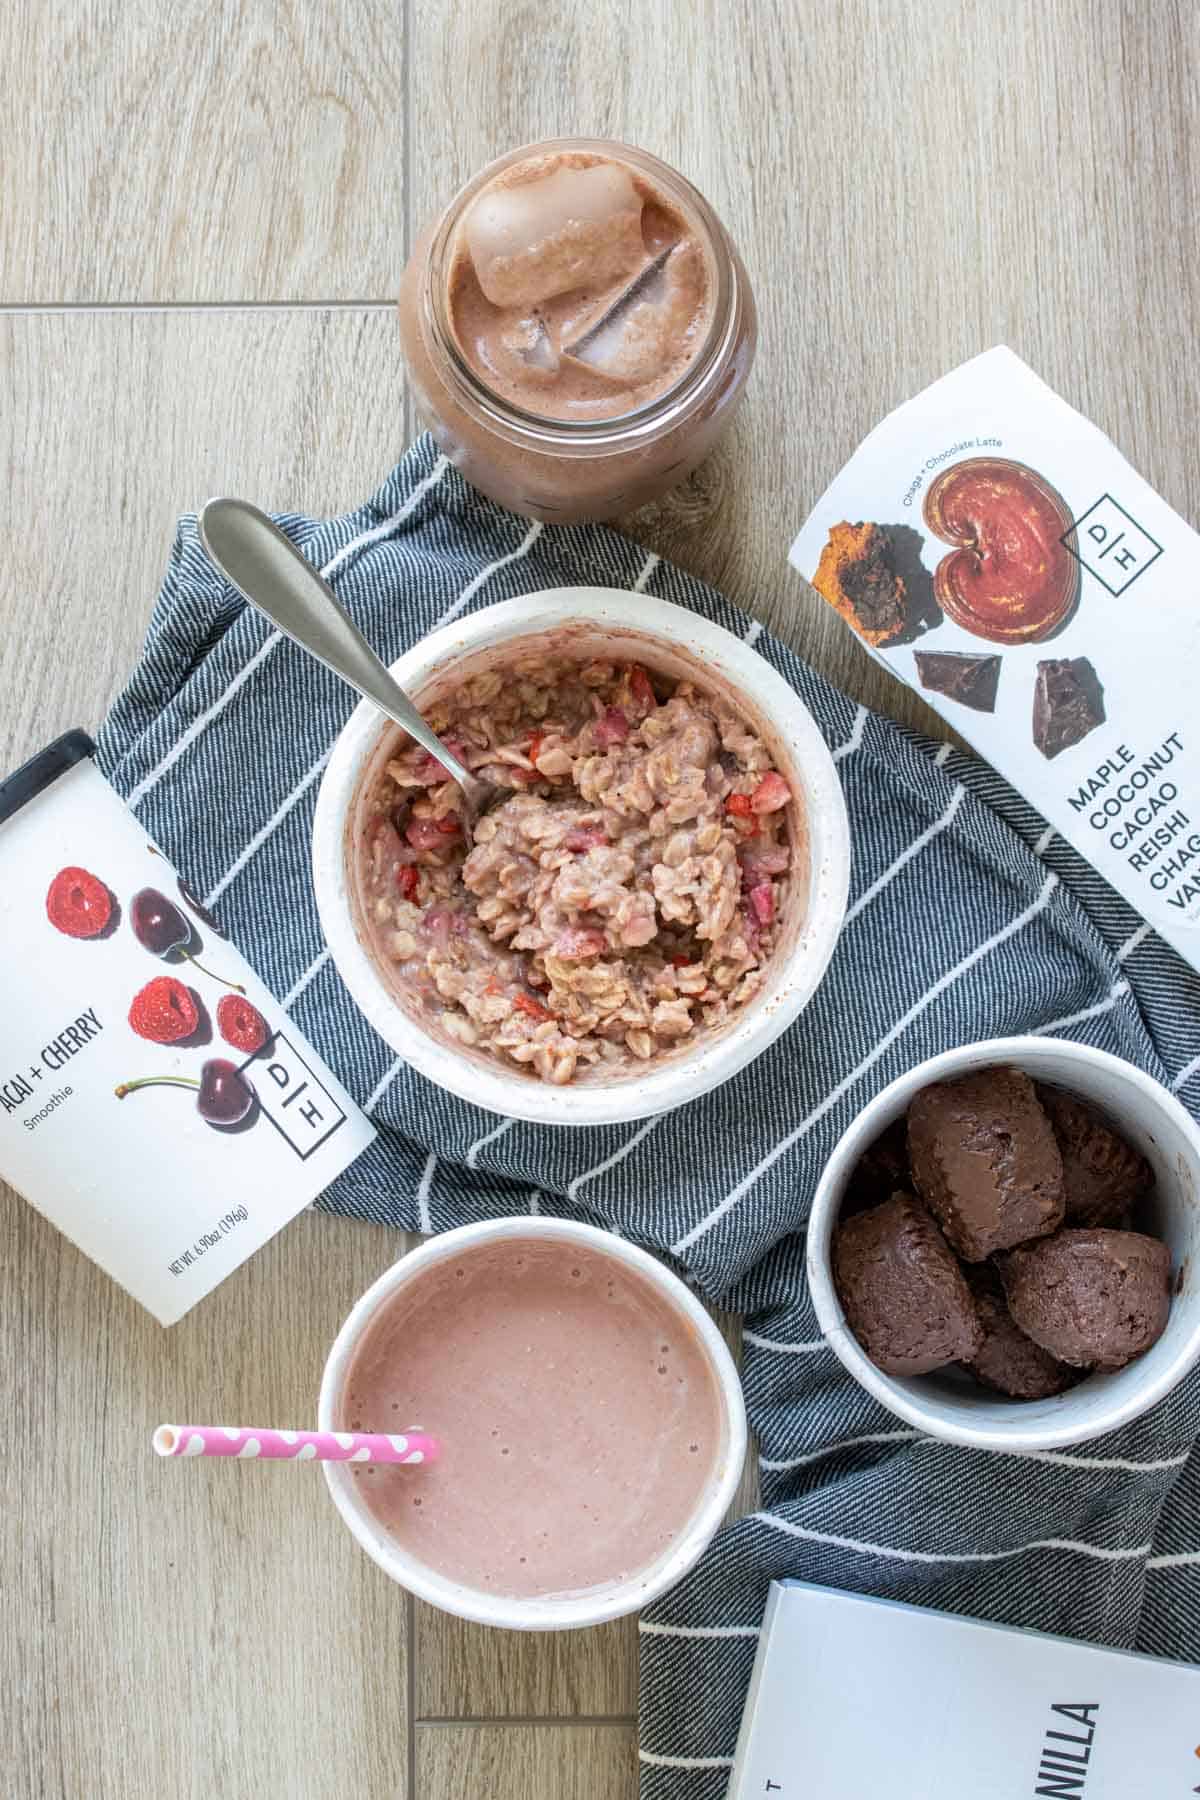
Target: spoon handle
x=265 y=566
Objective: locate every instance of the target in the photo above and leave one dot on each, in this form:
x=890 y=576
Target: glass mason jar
x=566 y=469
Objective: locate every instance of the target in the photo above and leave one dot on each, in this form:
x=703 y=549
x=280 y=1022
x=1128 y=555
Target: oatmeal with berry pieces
x=626 y=895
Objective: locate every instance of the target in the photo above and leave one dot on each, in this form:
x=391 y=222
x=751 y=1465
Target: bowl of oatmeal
x=654 y=899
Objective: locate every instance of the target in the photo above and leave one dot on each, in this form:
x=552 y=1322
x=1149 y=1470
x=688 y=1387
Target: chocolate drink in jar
x=578 y=329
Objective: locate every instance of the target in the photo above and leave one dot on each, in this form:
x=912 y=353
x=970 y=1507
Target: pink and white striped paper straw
x=248 y=1441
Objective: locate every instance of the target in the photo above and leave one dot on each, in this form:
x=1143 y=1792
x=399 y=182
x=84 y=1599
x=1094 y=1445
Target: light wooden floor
x=203 y=216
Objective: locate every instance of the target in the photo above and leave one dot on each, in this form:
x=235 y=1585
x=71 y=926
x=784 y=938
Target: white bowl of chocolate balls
x=1004 y=1247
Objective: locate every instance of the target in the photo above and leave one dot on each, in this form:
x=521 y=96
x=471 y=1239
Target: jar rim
x=586 y=436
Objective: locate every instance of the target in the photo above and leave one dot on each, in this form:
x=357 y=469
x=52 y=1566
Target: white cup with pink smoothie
x=589 y=1414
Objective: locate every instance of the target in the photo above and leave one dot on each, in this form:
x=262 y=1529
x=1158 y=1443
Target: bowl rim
x=797 y=976
x=1064 y=1427
x=536 y=1613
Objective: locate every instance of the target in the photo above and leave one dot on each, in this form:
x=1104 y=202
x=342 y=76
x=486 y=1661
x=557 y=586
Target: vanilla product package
x=156 y=1103
x=852 y=1696
x=995 y=550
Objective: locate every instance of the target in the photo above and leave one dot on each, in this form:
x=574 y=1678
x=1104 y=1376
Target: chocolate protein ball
x=903 y=1292
x=881 y=1170
x=1104 y=1178
x=1007 y=1360
x=1090 y=1297
x=985 y=1161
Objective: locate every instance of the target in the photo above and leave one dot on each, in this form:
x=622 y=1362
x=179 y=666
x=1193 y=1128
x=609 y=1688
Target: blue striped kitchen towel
x=968 y=919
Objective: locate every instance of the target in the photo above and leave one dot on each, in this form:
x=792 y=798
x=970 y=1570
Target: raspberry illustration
x=241 y=1024
x=164 y=1011
x=78 y=903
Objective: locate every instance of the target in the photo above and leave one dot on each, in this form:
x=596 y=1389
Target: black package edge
x=42 y=770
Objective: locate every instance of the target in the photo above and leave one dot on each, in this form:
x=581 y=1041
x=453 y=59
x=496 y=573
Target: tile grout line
x=406 y=226
x=527 y=1719
x=118 y=308
x=410 y=1689
x=407 y=38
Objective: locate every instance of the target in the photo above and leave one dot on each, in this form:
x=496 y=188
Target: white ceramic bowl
x=590 y=622
x=947 y=1404
x=555 y=1613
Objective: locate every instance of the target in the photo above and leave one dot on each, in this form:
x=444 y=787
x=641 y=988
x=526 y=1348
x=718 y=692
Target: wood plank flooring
x=204 y=213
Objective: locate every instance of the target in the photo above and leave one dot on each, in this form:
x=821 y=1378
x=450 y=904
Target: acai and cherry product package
x=994 y=550
x=156 y=1105
x=853 y=1696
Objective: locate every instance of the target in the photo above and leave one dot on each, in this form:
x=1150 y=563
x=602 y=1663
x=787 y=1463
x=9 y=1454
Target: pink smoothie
x=579 y=1416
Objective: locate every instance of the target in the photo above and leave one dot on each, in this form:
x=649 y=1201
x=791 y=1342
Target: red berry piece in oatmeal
x=760 y=858
x=78 y=904
x=241 y=1024
x=532 y=1008
x=612 y=727
x=771 y=793
x=633 y=879
x=579 y=941
x=642 y=691
x=430 y=834
x=585 y=837
x=164 y=1011
x=762 y=902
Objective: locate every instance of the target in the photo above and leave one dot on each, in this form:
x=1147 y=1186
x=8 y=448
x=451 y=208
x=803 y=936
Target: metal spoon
x=264 y=565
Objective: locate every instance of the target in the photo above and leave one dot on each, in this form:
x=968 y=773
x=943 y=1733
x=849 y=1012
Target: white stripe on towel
x=1118 y=990
x=655 y=1761
x=383 y=1084
x=473 y=586
x=610 y=1162
x=809 y=1348
x=856 y=736
x=1132 y=943
x=268 y=830
x=812 y=1456
x=891 y=1553
x=200 y=724
x=424 y=1222
x=648 y=1628
x=314 y=968
x=866 y=1065
x=906 y=856
x=478 y=1145
x=256 y=843
x=648 y=567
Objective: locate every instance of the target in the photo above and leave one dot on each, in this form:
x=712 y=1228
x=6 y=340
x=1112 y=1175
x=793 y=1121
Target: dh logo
x=1111 y=545
x=300 y=1108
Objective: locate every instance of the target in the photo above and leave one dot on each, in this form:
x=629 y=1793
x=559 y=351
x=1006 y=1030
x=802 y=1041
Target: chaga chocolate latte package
x=995 y=550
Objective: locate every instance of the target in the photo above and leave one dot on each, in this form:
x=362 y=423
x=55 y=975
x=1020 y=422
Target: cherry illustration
x=192 y=898
x=197 y=905
x=78 y=904
x=223 y=1095
x=160 y=927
